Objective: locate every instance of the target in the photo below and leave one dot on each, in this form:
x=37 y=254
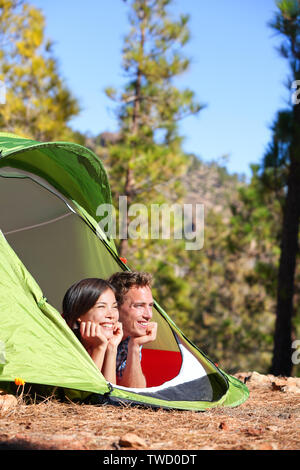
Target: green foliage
x=233 y=316
x=150 y=106
x=256 y=216
x=281 y=174
x=38 y=104
x=286 y=22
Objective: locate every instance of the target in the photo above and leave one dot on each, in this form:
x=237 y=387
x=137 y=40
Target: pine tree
x=150 y=107
x=38 y=103
x=287 y=23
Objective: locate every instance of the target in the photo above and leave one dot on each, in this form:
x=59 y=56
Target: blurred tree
x=149 y=153
x=230 y=314
x=253 y=255
x=284 y=155
x=38 y=103
x=275 y=174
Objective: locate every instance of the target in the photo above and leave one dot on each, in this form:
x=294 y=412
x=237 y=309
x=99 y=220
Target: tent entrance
x=59 y=248
x=49 y=195
x=54 y=243
x=191 y=383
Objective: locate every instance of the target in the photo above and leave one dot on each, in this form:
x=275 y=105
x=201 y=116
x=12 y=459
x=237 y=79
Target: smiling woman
x=90 y=309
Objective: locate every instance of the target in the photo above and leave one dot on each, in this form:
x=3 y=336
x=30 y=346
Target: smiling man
x=135 y=302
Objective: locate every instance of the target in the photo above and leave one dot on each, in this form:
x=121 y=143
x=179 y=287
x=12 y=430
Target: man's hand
x=149 y=336
x=133 y=375
x=116 y=339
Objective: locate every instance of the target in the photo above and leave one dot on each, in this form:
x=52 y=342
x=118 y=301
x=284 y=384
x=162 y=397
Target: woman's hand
x=116 y=339
x=92 y=336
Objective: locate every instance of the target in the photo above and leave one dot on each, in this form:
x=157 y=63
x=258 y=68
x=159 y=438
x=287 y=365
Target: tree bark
x=129 y=189
x=282 y=353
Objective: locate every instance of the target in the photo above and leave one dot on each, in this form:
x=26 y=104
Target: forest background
x=237 y=298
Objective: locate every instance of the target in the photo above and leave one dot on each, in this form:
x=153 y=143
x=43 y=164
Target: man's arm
x=132 y=374
x=109 y=366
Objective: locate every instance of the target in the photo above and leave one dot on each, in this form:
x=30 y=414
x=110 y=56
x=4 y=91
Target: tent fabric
x=35 y=222
x=72 y=169
x=38 y=345
x=49 y=194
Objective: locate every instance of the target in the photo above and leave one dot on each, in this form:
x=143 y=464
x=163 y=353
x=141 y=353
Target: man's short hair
x=125 y=280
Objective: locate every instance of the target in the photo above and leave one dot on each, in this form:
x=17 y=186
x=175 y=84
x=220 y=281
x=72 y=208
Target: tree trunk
x=128 y=190
x=282 y=354
x=129 y=184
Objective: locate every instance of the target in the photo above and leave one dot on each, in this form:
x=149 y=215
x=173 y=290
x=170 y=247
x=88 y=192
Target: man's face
x=136 y=311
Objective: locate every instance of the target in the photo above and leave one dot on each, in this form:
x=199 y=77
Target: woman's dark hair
x=81 y=297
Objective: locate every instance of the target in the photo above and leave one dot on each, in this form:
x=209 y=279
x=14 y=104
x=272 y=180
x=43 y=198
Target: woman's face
x=104 y=312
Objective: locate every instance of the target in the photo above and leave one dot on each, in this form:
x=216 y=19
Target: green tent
x=50 y=238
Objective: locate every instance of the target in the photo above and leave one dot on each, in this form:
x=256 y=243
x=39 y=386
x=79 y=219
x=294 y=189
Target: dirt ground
x=268 y=420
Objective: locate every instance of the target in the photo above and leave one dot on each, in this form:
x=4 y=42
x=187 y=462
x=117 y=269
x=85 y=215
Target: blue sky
x=235 y=70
